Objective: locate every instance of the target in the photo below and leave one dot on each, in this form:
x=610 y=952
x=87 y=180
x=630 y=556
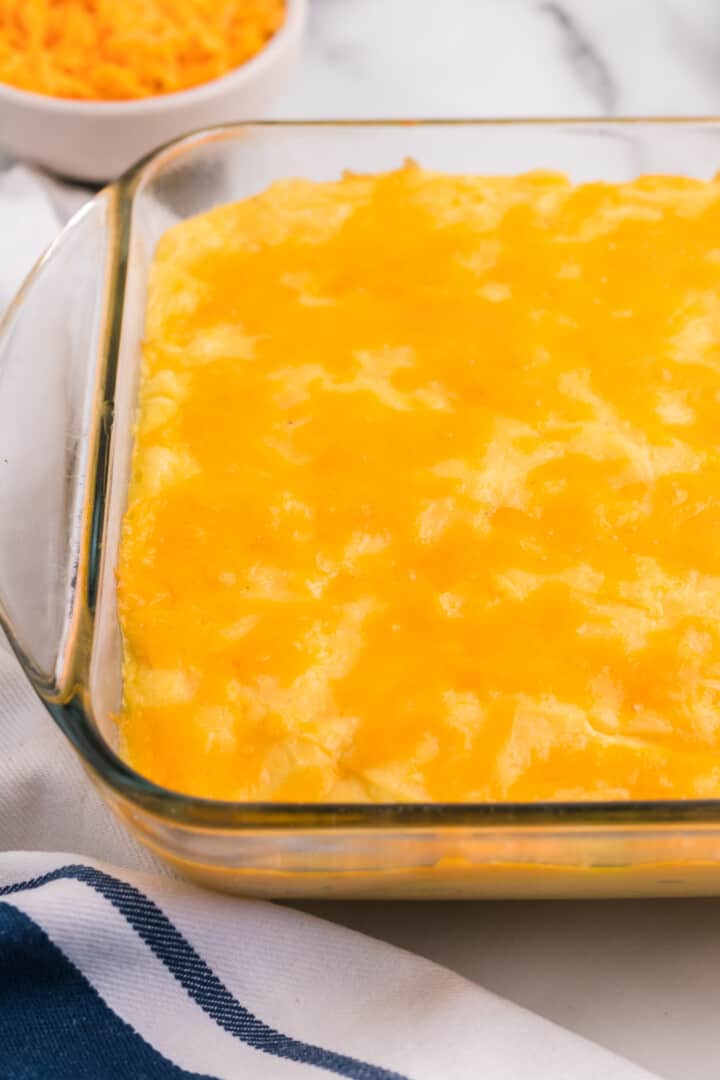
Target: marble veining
x=591 y=69
x=371 y=58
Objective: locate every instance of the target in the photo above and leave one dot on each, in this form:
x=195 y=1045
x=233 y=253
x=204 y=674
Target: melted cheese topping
x=426 y=494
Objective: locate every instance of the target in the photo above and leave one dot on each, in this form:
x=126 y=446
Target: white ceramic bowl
x=98 y=140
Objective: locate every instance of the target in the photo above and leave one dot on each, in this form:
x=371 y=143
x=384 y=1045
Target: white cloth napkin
x=107 y=971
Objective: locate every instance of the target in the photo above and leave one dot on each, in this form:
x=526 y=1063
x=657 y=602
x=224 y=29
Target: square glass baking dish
x=69 y=361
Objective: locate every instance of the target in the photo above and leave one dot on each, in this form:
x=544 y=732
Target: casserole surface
x=426 y=500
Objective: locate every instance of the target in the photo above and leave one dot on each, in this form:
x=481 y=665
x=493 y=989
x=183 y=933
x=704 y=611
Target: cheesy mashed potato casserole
x=426 y=494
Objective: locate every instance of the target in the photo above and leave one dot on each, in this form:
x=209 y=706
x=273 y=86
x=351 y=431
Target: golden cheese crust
x=426 y=494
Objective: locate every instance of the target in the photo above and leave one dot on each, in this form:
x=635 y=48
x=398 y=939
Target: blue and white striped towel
x=108 y=972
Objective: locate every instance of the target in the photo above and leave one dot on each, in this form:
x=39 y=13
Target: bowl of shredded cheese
x=89 y=86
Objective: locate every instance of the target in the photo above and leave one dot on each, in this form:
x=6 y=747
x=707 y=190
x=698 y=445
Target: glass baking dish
x=69 y=361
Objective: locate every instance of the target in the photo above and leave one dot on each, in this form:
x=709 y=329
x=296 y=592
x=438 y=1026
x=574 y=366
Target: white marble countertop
x=433 y=58
x=639 y=977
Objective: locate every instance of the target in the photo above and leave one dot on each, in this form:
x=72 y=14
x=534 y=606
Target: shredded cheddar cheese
x=104 y=50
x=426 y=494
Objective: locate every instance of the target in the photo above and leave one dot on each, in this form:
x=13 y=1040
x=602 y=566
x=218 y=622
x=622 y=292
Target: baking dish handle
x=51 y=351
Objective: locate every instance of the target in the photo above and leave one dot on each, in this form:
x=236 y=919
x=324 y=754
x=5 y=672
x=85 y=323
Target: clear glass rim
x=73 y=713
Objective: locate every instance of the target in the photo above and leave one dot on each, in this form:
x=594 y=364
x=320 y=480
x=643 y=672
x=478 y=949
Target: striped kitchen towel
x=107 y=973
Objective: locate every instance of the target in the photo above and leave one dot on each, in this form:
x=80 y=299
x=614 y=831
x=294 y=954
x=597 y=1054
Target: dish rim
x=68 y=707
